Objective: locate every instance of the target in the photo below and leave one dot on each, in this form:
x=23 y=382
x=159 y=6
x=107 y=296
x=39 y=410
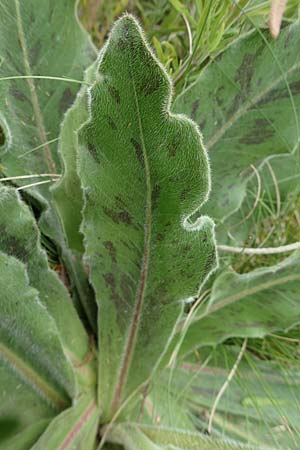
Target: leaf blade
x=20 y=238
x=127 y=221
x=73 y=428
x=136 y=436
x=38 y=103
x=67 y=193
x=32 y=358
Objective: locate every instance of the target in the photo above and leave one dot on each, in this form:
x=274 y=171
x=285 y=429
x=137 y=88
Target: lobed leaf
x=144 y=172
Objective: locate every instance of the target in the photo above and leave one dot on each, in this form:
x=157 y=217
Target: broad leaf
x=246 y=103
x=248 y=305
x=74 y=428
x=20 y=237
x=144 y=172
x=137 y=437
x=38 y=37
x=37 y=379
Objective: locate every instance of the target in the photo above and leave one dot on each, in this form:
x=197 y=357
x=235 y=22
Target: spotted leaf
x=144 y=171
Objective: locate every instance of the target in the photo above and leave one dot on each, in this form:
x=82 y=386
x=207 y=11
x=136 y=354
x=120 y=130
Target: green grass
x=270 y=228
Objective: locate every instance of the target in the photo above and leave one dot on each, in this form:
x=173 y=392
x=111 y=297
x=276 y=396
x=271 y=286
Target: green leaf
x=67 y=193
x=137 y=437
x=19 y=237
x=68 y=201
x=131 y=437
x=74 y=428
x=80 y=289
x=47 y=40
x=246 y=103
x=183 y=10
x=144 y=172
x=248 y=305
x=169 y=438
x=36 y=377
x=23 y=407
x=26 y=438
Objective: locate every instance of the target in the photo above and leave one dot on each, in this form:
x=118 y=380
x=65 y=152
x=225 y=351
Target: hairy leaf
x=246 y=103
x=40 y=38
x=74 y=428
x=169 y=438
x=19 y=237
x=44 y=38
x=68 y=201
x=136 y=437
x=67 y=193
x=37 y=378
x=143 y=171
x=248 y=305
x=130 y=437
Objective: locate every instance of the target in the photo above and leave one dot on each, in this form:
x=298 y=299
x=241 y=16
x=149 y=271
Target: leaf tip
x=125 y=31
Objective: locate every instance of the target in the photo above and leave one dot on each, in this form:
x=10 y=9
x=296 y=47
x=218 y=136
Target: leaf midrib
x=129 y=347
x=79 y=425
x=32 y=89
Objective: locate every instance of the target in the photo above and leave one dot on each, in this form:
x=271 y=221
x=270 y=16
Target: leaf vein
x=32 y=89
